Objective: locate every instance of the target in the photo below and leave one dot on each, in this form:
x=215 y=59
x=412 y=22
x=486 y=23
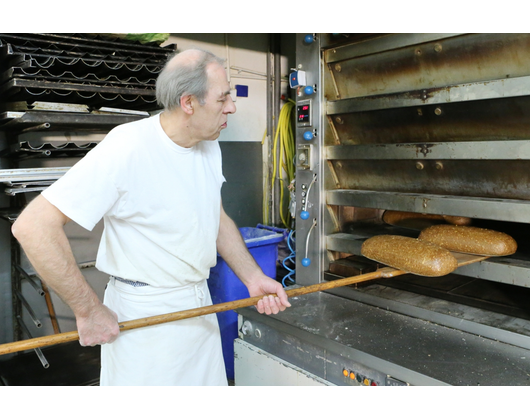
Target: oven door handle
x=307 y=261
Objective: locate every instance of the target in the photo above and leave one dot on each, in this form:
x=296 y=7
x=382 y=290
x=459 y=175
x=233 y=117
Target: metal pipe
x=38 y=351
x=24 y=302
x=42 y=126
x=31 y=281
x=267 y=188
x=276 y=110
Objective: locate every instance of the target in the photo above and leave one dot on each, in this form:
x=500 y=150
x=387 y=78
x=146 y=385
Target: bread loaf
x=414 y=220
x=410 y=255
x=458 y=220
x=397 y=218
x=470 y=240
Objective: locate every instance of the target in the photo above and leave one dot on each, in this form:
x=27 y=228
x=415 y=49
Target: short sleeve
x=88 y=190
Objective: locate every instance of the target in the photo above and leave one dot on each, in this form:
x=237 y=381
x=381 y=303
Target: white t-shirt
x=160 y=203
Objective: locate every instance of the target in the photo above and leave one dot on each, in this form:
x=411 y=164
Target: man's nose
x=230 y=107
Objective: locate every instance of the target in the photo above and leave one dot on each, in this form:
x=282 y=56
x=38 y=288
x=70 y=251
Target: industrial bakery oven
x=431 y=124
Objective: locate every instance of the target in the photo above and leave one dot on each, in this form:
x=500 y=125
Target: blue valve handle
x=308 y=90
x=304 y=215
x=306 y=262
x=308 y=39
x=308 y=135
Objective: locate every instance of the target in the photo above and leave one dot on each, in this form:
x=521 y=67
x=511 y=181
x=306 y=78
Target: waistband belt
x=130 y=282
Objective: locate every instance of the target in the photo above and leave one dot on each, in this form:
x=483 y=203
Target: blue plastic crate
x=225 y=286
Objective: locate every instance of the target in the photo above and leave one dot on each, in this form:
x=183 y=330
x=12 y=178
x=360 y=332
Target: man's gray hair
x=188 y=77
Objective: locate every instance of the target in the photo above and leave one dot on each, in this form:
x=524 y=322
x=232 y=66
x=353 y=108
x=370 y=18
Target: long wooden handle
x=387 y=272
x=191 y=313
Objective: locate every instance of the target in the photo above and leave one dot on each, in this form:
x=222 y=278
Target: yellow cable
x=286 y=160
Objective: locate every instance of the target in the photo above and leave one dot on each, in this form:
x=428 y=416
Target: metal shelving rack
x=63 y=83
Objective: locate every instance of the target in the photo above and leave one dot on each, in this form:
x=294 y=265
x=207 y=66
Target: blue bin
x=225 y=286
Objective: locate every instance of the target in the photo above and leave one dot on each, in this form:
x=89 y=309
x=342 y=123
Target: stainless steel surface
x=491 y=150
x=425 y=123
x=475 y=207
x=431 y=64
x=325 y=334
x=307 y=57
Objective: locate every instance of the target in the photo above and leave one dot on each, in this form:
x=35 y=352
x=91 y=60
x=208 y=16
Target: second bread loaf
x=470 y=240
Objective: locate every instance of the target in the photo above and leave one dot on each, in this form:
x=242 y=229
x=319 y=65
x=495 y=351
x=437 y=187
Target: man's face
x=212 y=117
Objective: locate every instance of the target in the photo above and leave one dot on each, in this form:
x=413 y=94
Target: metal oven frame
x=425 y=123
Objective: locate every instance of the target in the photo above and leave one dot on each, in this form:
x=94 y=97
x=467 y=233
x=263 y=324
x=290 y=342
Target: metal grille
x=79 y=69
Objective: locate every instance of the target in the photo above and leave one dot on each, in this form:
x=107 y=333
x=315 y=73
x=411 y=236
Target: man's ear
x=186 y=103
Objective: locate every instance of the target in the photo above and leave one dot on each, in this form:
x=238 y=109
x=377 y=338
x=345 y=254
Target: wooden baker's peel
x=383 y=273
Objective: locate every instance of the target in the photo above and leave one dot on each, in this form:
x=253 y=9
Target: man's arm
x=234 y=251
x=40 y=231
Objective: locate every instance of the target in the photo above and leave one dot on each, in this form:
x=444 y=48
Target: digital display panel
x=303 y=113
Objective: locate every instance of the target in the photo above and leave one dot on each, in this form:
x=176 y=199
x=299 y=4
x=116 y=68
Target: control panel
x=305 y=79
x=360 y=375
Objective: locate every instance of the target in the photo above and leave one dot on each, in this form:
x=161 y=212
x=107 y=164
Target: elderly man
x=156 y=183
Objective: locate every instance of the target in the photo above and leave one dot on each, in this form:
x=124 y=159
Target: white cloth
x=161 y=209
x=160 y=203
x=184 y=352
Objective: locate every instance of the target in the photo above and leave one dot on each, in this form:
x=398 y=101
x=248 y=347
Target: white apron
x=184 y=352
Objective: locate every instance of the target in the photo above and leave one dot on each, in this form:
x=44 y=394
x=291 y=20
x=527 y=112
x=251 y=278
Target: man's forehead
x=218 y=82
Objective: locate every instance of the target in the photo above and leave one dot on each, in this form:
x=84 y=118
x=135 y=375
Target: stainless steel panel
x=504 y=119
x=491 y=89
x=497 y=179
x=435 y=64
x=491 y=150
x=427 y=124
x=308 y=237
x=378 y=44
x=430 y=125
x=331 y=332
x=474 y=207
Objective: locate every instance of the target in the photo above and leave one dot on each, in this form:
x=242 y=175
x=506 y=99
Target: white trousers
x=179 y=353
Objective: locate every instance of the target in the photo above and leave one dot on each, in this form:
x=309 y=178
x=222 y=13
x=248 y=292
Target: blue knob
x=308 y=135
x=306 y=262
x=304 y=215
x=308 y=39
x=308 y=90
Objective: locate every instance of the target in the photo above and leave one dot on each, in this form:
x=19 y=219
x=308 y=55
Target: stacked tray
x=79 y=69
x=17 y=181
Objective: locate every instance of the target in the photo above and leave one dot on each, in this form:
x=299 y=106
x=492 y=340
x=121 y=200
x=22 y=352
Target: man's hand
x=100 y=326
x=40 y=231
x=233 y=249
x=270 y=304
